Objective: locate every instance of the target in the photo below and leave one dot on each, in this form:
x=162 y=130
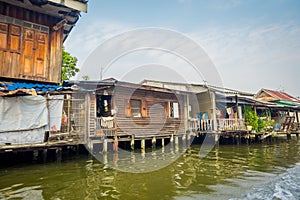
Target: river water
x=256 y=171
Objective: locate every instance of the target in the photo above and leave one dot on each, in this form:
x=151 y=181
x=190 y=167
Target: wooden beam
x=76 y=5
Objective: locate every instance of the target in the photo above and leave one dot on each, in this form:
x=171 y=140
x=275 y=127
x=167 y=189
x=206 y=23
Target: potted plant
x=251 y=118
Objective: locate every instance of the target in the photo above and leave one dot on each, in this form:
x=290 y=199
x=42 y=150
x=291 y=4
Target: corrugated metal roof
x=276 y=95
x=39 y=87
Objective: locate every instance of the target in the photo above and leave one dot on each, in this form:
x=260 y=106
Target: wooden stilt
x=143 y=144
x=176 y=144
x=58 y=155
x=132 y=142
x=105 y=160
x=116 y=144
x=162 y=142
x=176 y=140
x=45 y=153
x=104 y=150
x=172 y=138
x=153 y=142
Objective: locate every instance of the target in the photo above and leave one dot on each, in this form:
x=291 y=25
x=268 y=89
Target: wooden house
x=32 y=33
x=206 y=104
x=31 y=37
x=122 y=110
x=286 y=110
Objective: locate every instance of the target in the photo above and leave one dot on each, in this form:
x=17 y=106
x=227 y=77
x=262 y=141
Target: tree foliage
x=69 y=68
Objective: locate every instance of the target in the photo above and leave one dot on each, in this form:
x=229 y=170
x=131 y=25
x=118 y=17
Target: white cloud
x=247 y=57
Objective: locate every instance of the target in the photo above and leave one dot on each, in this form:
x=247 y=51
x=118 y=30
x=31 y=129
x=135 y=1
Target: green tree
x=69 y=68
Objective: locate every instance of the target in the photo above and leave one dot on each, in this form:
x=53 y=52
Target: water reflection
x=224 y=168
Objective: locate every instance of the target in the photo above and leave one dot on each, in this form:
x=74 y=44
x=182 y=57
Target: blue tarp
x=39 y=87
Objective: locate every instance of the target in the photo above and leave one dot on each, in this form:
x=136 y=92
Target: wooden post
x=216 y=138
x=116 y=144
x=183 y=139
x=189 y=137
x=153 y=142
x=176 y=144
x=45 y=152
x=214 y=116
x=237 y=106
x=132 y=142
x=297 y=117
x=105 y=160
x=176 y=140
x=162 y=142
x=58 y=152
x=104 y=150
x=69 y=114
x=143 y=144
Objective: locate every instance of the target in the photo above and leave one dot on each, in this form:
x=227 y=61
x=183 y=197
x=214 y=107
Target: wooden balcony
x=105 y=126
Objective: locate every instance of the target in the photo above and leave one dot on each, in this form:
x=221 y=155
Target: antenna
x=101 y=73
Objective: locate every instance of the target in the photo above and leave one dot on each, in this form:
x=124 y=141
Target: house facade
x=32 y=33
x=31 y=37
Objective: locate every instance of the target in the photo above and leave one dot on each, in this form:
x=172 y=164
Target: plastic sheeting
x=55 y=108
x=23 y=137
x=23 y=119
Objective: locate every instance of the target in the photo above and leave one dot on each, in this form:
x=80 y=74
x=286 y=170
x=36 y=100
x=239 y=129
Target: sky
x=252 y=44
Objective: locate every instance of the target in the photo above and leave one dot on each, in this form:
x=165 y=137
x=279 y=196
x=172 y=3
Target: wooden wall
x=29 y=47
x=156 y=123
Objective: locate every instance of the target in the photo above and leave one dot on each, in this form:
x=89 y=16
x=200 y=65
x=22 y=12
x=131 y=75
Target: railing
x=231 y=124
x=105 y=126
x=196 y=124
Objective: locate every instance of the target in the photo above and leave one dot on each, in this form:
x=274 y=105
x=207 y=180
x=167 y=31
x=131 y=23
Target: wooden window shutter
x=144 y=108
x=3 y=35
x=168 y=109
x=28 y=52
x=127 y=108
x=41 y=53
x=15 y=38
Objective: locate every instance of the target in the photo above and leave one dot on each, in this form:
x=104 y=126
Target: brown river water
x=256 y=171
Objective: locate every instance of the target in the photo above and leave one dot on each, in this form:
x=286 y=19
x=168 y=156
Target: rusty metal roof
x=276 y=95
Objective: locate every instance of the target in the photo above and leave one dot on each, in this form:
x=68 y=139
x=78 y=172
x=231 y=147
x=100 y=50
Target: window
x=136 y=108
x=104 y=106
x=172 y=109
x=10 y=37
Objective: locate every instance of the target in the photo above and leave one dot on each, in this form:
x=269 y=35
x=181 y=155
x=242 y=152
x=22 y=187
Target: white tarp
x=55 y=108
x=23 y=137
x=23 y=119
